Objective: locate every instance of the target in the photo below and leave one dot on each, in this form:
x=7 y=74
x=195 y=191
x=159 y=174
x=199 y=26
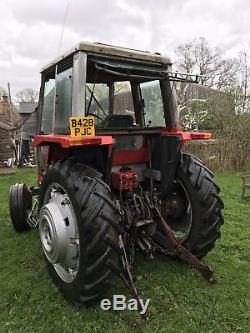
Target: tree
x=228 y=75
x=27 y=95
x=199 y=57
x=241 y=90
x=225 y=112
x=186 y=61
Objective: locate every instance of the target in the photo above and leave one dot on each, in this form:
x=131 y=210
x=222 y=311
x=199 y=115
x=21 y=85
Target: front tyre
x=20 y=205
x=77 y=224
x=195 y=208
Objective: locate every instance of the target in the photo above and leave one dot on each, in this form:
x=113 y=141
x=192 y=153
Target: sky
x=32 y=33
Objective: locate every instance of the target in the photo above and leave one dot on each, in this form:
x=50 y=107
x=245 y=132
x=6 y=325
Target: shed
x=6 y=151
x=28 y=113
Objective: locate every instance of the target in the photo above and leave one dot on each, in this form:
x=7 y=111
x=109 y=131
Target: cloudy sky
x=31 y=31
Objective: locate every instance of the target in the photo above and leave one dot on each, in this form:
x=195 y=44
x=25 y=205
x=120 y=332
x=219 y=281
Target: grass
x=181 y=301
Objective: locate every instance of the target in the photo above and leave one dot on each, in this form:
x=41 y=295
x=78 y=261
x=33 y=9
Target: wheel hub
x=59 y=235
x=178 y=212
x=53 y=233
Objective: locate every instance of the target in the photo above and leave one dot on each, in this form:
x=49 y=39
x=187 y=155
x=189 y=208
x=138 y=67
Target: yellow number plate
x=81 y=127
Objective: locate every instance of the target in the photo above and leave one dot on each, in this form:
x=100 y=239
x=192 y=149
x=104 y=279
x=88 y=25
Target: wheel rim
x=181 y=225
x=59 y=232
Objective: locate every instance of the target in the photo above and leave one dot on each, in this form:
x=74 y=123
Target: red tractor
x=112 y=174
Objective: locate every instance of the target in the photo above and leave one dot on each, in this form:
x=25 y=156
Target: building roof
x=27 y=107
x=110 y=50
x=6 y=126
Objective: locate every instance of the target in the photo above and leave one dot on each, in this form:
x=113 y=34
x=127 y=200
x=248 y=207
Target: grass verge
x=181 y=301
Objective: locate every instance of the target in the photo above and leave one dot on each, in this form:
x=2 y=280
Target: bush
x=231 y=148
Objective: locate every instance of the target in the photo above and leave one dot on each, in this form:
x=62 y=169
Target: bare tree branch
x=27 y=95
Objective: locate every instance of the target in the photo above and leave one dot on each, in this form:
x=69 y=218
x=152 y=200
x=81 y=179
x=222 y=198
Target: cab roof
x=110 y=50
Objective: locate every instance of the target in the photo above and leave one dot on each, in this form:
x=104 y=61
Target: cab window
x=63 y=102
x=48 y=106
x=153 y=105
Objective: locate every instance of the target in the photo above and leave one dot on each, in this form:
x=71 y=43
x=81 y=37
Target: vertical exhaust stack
x=170 y=104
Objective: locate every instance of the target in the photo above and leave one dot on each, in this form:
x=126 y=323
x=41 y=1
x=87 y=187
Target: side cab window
x=57 y=103
x=48 y=106
x=63 y=101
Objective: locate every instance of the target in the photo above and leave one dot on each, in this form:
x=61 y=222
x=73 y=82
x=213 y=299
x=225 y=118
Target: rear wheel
x=77 y=225
x=194 y=208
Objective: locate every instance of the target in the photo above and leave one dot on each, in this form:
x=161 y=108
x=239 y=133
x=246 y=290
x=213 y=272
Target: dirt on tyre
x=78 y=226
x=196 y=197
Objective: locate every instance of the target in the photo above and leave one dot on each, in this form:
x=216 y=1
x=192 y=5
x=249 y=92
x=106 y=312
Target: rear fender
x=95 y=152
x=166 y=156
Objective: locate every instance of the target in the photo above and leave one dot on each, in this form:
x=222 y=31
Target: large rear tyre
x=78 y=229
x=20 y=204
x=197 y=218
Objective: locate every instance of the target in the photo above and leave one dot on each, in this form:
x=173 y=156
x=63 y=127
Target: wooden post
x=10 y=105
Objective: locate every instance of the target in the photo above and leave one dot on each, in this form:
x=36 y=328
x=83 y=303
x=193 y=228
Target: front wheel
x=20 y=205
x=194 y=208
x=77 y=225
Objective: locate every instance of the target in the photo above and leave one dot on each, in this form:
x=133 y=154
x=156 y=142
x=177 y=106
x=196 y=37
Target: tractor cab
x=115 y=99
x=108 y=83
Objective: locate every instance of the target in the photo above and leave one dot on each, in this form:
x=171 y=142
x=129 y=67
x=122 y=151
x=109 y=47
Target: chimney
x=5 y=98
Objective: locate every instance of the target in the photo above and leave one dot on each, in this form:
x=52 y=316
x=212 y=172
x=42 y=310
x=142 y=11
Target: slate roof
x=6 y=126
x=27 y=107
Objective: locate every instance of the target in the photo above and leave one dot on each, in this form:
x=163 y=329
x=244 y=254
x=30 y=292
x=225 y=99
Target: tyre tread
x=93 y=199
x=205 y=193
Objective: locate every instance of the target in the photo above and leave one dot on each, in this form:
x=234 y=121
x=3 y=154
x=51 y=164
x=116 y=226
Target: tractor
x=113 y=177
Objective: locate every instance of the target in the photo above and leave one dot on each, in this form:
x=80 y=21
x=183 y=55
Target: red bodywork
x=66 y=141
x=124 y=180
x=142 y=155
